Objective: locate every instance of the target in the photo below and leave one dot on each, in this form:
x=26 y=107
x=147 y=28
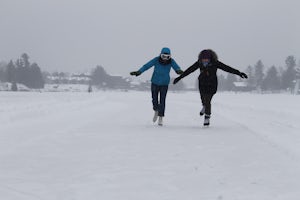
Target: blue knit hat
x=165 y=50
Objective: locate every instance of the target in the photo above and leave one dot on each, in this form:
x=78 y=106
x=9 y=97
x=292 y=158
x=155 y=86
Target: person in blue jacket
x=160 y=81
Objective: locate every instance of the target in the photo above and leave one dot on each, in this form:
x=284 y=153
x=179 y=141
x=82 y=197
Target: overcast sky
x=70 y=35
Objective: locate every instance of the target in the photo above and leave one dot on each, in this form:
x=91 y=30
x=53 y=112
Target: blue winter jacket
x=161 y=74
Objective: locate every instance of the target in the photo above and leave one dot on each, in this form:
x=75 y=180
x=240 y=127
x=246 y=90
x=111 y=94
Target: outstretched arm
x=176 y=67
x=188 y=71
x=148 y=65
x=226 y=68
x=144 y=68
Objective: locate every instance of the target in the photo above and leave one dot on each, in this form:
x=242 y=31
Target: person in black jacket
x=208 y=64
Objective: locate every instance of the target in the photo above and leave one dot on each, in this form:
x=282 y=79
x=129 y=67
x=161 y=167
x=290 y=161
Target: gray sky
x=70 y=35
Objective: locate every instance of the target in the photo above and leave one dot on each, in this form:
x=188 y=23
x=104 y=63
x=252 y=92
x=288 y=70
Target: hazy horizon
x=121 y=36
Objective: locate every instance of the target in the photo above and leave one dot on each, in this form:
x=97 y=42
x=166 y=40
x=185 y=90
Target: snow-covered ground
x=80 y=146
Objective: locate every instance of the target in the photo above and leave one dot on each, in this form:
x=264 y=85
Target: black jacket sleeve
x=190 y=70
x=227 y=68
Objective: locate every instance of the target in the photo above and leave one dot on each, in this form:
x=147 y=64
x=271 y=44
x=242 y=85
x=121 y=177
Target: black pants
x=159 y=92
x=206 y=101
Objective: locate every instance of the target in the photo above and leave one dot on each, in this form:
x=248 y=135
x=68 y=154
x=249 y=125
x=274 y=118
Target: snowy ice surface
x=104 y=146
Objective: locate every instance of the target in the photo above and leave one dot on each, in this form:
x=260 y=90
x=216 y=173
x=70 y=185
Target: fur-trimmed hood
x=212 y=54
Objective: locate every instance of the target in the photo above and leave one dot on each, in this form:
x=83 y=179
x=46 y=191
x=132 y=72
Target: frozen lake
x=79 y=146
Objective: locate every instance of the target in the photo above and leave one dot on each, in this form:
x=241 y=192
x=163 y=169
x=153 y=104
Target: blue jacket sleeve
x=148 y=65
x=175 y=66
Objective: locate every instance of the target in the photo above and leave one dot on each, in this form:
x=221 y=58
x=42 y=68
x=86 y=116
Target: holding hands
x=176 y=80
x=179 y=72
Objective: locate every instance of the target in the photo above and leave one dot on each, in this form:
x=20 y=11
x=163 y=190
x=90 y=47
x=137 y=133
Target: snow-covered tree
x=289 y=75
x=259 y=73
x=272 y=80
x=99 y=76
x=251 y=78
x=231 y=78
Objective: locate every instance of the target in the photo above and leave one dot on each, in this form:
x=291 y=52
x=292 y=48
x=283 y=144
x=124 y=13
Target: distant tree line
x=260 y=78
x=265 y=79
x=101 y=79
x=23 y=72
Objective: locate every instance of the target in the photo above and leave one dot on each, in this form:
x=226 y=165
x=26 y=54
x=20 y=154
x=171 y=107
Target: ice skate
x=155 y=117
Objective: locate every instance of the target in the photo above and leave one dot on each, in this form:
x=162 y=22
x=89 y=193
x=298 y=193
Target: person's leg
x=202 y=111
x=201 y=93
x=202 y=99
x=162 y=102
x=154 y=91
x=208 y=98
x=202 y=96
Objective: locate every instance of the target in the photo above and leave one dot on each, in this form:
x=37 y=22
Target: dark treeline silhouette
x=101 y=79
x=272 y=79
x=23 y=72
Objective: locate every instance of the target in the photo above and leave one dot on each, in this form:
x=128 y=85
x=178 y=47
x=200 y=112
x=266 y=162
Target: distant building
x=5 y=86
x=140 y=85
x=117 y=82
x=242 y=86
x=69 y=79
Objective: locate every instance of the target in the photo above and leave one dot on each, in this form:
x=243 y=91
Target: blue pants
x=161 y=91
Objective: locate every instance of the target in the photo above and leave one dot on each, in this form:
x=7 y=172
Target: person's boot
x=155 y=117
x=160 y=121
x=202 y=112
x=206 y=120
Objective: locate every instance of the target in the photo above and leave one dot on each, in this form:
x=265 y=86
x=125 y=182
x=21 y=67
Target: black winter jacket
x=208 y=81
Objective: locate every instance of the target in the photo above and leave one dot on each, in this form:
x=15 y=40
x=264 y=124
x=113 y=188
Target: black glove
x=176 y=80
x=179 y=72
x=243 y=75
x=137 y=73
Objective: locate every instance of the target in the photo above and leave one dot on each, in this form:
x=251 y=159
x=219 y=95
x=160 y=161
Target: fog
x=69 y=35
